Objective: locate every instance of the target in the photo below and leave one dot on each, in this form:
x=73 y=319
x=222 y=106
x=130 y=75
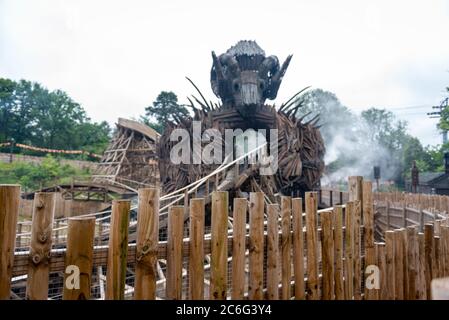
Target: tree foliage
x=164 y=109
x=31 y=114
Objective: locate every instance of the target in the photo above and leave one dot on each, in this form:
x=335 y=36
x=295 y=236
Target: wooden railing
x=282 y=250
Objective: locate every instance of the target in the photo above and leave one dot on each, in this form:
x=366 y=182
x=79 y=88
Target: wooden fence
x=284 y=250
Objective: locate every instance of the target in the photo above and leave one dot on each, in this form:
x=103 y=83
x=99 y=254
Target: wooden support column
x=256 y=209
x=118 y=250
x=147 y=244
x=79 y=256
x=273 y=252
x=196 y=256
x=41 y=233
x=9 y=211
x=219 y=246
x=239 y=248
x=312 y=246
x=298 y=249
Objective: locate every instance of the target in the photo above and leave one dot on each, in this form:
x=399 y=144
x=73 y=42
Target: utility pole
x=437 y=114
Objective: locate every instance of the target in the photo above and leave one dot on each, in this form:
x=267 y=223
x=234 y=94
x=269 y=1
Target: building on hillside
x=432 y=182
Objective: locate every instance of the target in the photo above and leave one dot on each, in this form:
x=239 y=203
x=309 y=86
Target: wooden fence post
x=368 y=223
x=147 y=244
x=327 y=253
x=273 y=252
x=445 y=242
x=357 y=250
x=196 y=255
x=219 y=246
x=286 y=210
x=118 y=250
x=338 y=243
x=9 y=211
x=390 y=264
x=175 y=230
x=382 y=294
x=298 y=249
x=40 y=251
x=428 y=251
x=404 y=213
x=387 y=212
x=412 y=262
x=312 y=246
x=399 y=264
x=349 y=251
x=239 y=248
x=80 y=249
x=422 y=292
x=256 y=208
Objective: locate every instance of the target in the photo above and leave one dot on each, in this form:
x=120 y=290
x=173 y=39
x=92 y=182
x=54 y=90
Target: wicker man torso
x=244 y=78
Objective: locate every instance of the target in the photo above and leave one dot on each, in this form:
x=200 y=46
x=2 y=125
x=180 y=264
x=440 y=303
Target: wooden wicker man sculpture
x=243 y=78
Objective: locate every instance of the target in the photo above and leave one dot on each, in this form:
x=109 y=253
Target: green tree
x=31 y=114
x=164 y=109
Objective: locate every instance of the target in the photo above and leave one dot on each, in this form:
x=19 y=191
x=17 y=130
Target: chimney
x=446 y=162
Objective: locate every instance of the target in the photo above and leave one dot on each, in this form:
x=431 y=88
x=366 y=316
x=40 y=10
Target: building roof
x=139 y=127
x=428 y=177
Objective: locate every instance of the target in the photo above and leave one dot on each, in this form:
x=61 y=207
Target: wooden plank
x=238 y=248
x=219 y=254
x=428 y=258
x=349 y=251
x=286 y=211
x=357 y=250
x=256 y=206
x=79 y=254
x=390 y=264
x=9 y=212
x=147 y=243
x=196 y=256
x=175 y=230
x=312 y=246
x=117 y=251
x=41 y=241
x=338 y=243
x=273 y=252
x=327 y=253
x=298 y=249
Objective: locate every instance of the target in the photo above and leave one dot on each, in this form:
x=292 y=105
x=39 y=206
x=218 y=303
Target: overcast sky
x=114 y=57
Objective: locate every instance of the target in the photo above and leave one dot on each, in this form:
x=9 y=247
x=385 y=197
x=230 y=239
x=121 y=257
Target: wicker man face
x=242 y=78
